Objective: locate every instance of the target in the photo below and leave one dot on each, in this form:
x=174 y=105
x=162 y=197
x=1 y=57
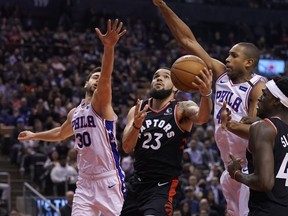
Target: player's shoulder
x=186 y=103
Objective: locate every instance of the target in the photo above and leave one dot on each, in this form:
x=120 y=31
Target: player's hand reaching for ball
x=25 y=136
x=204 y=82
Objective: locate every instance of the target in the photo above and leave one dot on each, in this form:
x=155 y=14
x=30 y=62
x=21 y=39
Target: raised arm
x=186 y=38
x=135 y=120
x=102 y=97
x=53 y=135
x=261 y=142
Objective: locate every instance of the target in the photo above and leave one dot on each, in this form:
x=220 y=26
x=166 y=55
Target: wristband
x=236 y=171
x=207 y=94
x=137 y=128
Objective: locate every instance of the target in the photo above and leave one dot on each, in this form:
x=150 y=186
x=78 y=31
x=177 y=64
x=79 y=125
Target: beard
x=90 y=90
x=160 y=94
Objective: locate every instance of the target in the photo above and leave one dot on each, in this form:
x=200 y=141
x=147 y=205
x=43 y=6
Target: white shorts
x=96 y=194
x=236 y=195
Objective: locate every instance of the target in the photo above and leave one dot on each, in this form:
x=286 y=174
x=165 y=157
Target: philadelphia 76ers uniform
x=100 y=185
x=237 y=100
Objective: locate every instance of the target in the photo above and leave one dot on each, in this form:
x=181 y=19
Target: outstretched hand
x=139 y=115
x=113 y=34
x=25 y=136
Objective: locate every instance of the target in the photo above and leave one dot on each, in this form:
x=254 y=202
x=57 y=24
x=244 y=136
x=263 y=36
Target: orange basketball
x=184 y=71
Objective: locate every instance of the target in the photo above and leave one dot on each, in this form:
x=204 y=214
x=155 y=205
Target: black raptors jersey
x=159 y=149
x=274 y=202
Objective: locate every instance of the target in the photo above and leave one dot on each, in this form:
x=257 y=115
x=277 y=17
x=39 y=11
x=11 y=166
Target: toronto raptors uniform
x=237 y=100
x=274 y=202
x=100 y=184
x=158 y=155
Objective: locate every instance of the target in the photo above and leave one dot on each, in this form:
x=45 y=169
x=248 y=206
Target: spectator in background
x=191 y=200
x=14 y=212
x=61 y=175
x=50 y=163
x=67 y=209
x=16 y=145
x=195 y=154
x=210 y=156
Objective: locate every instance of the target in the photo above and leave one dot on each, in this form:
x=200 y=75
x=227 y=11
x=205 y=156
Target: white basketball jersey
x=237 y=99
x=95 y=142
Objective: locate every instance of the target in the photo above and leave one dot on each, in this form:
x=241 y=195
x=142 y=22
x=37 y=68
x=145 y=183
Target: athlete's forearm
x=204 y=110
x=253 y=181
x=52 y=135
x=130 y=137
x=240 y=129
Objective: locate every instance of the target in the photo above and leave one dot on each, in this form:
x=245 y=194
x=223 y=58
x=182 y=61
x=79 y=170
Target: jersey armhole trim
x=272 y=124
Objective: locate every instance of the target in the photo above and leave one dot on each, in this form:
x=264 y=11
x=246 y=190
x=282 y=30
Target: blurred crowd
x=42 y=73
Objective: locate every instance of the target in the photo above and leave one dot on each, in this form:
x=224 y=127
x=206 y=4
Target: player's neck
x=158 y=104
x=241 y=79
x=87 y=100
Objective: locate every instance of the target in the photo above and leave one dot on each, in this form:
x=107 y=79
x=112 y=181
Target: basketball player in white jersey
x=236 y=84
x=100 y=185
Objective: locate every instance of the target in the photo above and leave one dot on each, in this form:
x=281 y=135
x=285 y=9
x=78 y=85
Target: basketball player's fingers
x=200 y=81
x=145 y=108
x=232 y=157
x=229 y=117
x=228 y=112
x=122 y=33
x=224 y=105
x=142 y=111
x=206 y=75
x=109 y=25
x=137 y=107
x=119 y=27
x=114 y=27
x=99 y=33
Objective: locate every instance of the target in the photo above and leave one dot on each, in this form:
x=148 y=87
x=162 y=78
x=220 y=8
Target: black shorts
x=149 y=197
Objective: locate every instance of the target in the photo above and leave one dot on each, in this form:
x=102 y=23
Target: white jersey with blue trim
x=95 y=141
x=237 y=100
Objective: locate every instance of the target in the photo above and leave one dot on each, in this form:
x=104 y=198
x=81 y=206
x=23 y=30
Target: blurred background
x=47 y=48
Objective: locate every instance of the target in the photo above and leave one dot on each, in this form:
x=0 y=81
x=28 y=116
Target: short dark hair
x=251 y=51
x=94 y=70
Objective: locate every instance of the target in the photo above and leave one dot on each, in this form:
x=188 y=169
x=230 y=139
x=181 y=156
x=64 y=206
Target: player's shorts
x=96 y=194
x=149 y=198
x=236 y=195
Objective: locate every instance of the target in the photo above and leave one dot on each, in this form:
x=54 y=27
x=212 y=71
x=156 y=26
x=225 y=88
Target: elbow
x=266 y=186
x=126 y=148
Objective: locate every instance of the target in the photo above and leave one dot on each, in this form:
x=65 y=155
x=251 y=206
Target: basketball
x=184 y=71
